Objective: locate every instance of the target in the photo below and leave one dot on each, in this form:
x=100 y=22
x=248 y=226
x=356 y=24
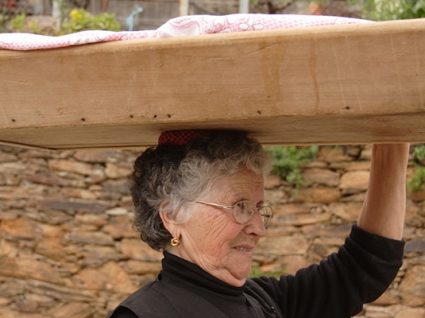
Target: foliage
x=80 y=19
x=419 y=154
x=417 y=182
x=17 y=24
x=257 y=272
x=391 y=9
x=288 y=161
x=3 y=21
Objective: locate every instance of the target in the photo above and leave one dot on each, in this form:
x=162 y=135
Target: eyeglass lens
x=243 y=212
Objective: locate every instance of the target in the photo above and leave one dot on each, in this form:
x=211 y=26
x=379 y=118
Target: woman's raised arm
x=384 y=208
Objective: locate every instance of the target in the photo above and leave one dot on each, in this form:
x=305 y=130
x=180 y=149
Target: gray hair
x=169 y=176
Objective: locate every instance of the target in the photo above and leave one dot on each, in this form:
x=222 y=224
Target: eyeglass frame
x=265 y=217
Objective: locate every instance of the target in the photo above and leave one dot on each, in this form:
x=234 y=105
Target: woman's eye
x=242 y=206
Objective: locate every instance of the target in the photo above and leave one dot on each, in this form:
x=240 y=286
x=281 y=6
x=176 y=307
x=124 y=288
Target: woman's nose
x=256 y=226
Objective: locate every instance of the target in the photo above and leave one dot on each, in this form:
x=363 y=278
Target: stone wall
x=67 y=249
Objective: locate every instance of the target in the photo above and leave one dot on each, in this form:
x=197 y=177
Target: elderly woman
x=199 y=199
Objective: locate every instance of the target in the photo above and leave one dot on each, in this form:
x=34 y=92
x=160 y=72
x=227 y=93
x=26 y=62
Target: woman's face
x=213 y=240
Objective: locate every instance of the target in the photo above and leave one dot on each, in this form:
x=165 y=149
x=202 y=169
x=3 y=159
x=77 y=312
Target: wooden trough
x=339 y=84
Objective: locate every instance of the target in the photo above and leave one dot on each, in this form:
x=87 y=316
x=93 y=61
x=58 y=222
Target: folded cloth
x=181 y=26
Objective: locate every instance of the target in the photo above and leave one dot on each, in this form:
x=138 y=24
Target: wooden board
x=343 y=84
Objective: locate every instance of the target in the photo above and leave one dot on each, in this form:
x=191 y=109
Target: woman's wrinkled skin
x=212 y=239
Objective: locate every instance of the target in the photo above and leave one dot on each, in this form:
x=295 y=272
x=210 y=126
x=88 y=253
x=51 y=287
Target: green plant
x=3 y=21
x=391 y=9
x=288 y=161
x=417 y=181
x=419 y=153
x=80 y=20
x=17 y=24
x=257 y=272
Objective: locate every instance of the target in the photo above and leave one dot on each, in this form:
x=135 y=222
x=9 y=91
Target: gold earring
x=175 y=241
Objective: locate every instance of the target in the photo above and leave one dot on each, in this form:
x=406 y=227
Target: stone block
x=117 y=187
x=276 y=196
x=332 y=154
x=119 y=227
x=72 y=207
x=12 y=167
x=73 y=309
x=95 y=255
x=10 y=287
x=318 y=195
x=21 y=228
x=92 y=219
x=142 y=268
x=416 y=246
x=71 y=166
x=114 y=171
x=67 y=294
x=10 y=313
x=8 y=249
x=417 y=196
x=291 y=208
x=138 y=250
x=285 y=245
x=4 y=302
x=390 y=297
x=321 y=177
x=366 y=153
x=99 y=238
x=357 y=197
x=358 y=165
x=412 y=286
x=353 y=151
x=349 y=211
x=354 y=181
x=272 y=181
x=117 y=211
x=110 y=276
x=316 y=164
x=326 y=230
x=373 y=311
x=98 y=156
x=291 y=264
x=77 y=193
x=24 y=191
x=301 y=218
x=411 y=313
x=28 y=267
x=51 y=248
x=7 y=157
x=50 y=217
x=46 y=178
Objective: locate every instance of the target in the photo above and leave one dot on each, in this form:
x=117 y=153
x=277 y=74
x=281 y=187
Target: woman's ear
x=169 y=223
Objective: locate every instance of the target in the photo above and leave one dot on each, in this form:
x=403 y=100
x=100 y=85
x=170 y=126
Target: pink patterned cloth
x=181 y=26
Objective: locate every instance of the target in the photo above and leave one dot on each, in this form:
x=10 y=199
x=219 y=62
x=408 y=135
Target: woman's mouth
x=244 y=248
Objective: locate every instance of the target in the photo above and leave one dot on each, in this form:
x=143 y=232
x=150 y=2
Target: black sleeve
x=358 y=273
x=123 y=312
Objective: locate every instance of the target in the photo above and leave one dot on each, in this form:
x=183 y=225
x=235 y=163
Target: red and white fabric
x=181 y=26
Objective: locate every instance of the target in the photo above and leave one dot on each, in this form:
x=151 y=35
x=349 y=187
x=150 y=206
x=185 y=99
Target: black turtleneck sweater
x=336 y=288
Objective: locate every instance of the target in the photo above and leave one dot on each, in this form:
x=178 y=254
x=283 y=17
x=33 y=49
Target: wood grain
x=339 y=84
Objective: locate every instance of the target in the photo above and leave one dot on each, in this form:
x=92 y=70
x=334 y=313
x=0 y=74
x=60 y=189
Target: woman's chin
x=240 y=273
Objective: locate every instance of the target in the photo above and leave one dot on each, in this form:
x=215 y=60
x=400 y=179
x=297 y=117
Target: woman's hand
x=384 y=208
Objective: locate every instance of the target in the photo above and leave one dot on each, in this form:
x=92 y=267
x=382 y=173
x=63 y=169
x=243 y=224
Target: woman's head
x=219 y=167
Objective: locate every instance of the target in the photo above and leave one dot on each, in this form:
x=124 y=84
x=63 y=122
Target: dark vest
x=158 y=300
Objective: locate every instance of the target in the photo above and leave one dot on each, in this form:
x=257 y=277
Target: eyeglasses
x=243 y=211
